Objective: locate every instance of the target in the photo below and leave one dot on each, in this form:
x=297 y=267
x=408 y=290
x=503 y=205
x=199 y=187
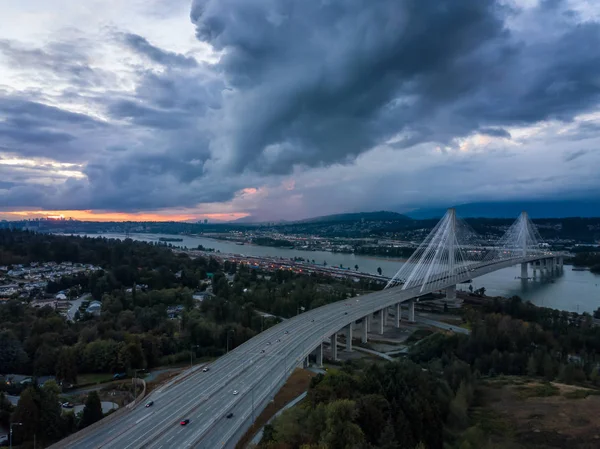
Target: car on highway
x=235 y=392
x=278 y=340
x=184 y=422
x=287 y=332
x=67 y=405
x=150 y=404
x=262 y=351
x=205 y=369
x=229 y=415
x=268 y=343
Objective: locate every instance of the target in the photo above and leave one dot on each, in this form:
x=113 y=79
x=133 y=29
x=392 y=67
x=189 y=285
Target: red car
x=184 y=422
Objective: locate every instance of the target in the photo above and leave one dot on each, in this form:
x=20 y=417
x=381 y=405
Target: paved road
x=441 y=325
x=206 y=398
x=75 y=305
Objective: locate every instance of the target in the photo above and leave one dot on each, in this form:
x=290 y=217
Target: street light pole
x=192 y=355
x=134 y=385
x=230 y=330
x=11 y=426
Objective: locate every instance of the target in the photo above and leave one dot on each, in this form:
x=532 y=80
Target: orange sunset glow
x=89 y=215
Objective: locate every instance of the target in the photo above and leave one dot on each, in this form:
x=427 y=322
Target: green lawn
x=94 y=378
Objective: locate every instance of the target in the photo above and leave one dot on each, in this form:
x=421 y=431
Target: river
x=574 y=291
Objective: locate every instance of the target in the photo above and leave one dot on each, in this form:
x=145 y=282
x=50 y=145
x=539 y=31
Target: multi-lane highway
x=256 y=370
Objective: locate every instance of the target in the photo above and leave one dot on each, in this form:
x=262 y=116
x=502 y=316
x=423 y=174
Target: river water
x=574 y=291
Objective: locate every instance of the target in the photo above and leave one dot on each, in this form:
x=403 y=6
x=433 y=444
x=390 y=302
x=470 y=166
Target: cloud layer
x=289 y=108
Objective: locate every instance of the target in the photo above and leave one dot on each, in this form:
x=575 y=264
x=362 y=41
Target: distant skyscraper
x=205 y=221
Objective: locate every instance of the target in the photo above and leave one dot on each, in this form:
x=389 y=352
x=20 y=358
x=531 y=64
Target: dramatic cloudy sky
x=283 y=109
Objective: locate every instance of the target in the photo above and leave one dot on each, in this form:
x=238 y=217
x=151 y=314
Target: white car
x=235 y=392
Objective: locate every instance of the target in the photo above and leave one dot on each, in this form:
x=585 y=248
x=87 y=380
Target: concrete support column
x=334 y=349
x=384 y=316
x=451 y=293
x=364 y=329
x=524 y=274
x=349 y=338
x=398 y=315
x=370 y=319
x=305 y=363
x=320 y=355
x=411 y=311
x=380 y=322
x=560 y=262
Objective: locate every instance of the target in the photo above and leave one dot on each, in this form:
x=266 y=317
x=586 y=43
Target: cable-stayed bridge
x=223 y=402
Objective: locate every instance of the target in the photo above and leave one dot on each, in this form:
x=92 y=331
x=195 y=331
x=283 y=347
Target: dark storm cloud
x=495 y=132
x=575 y=155
x=141 y=45
x=31 y=128
x=320 y=82
x=310 y=84
x=63 y=60
x=148 y=116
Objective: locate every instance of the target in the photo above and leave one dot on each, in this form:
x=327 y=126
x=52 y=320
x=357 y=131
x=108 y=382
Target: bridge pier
x=411 y=311
x=524 y=274
x=398 y=316
x=380 y=322
x=370 y=318
x=451 y=293
x=364 y=328
x=384 y=314
x=349 y=338
x=320 y=355
x=334 y=348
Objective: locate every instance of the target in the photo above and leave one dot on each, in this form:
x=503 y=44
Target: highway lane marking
x=248 y=367
x=143 y=418
x=301 y=328
x=170 y=439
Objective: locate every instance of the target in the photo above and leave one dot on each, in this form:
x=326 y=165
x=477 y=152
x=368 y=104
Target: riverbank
x=574 y=291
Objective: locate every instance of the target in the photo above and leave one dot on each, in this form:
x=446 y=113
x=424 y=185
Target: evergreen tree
x=532 y=366
x=92 y=411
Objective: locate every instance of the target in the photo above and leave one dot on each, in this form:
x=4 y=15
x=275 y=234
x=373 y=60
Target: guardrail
x=74 y=437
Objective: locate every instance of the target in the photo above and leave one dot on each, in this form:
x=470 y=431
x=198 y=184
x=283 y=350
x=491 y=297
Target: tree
x=12 y=355
x=66 y=366
x=6 y=409
x=532 y=366
x=379 y=271
x=387 y=439
x=373 y=412
x=92 y=412
x=342 y=432
x=459 y=407
x=28 y=412
x=356 y=267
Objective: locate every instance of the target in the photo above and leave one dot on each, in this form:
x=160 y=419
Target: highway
x=257 y=369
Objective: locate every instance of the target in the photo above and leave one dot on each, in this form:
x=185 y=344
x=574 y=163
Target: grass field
x=518 y=413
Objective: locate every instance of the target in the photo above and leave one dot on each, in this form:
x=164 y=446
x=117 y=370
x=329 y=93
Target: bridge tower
x=440 y=259
x=451 y=291
x=523 y=237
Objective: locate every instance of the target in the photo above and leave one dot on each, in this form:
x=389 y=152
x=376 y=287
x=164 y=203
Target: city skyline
x=282 y=110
